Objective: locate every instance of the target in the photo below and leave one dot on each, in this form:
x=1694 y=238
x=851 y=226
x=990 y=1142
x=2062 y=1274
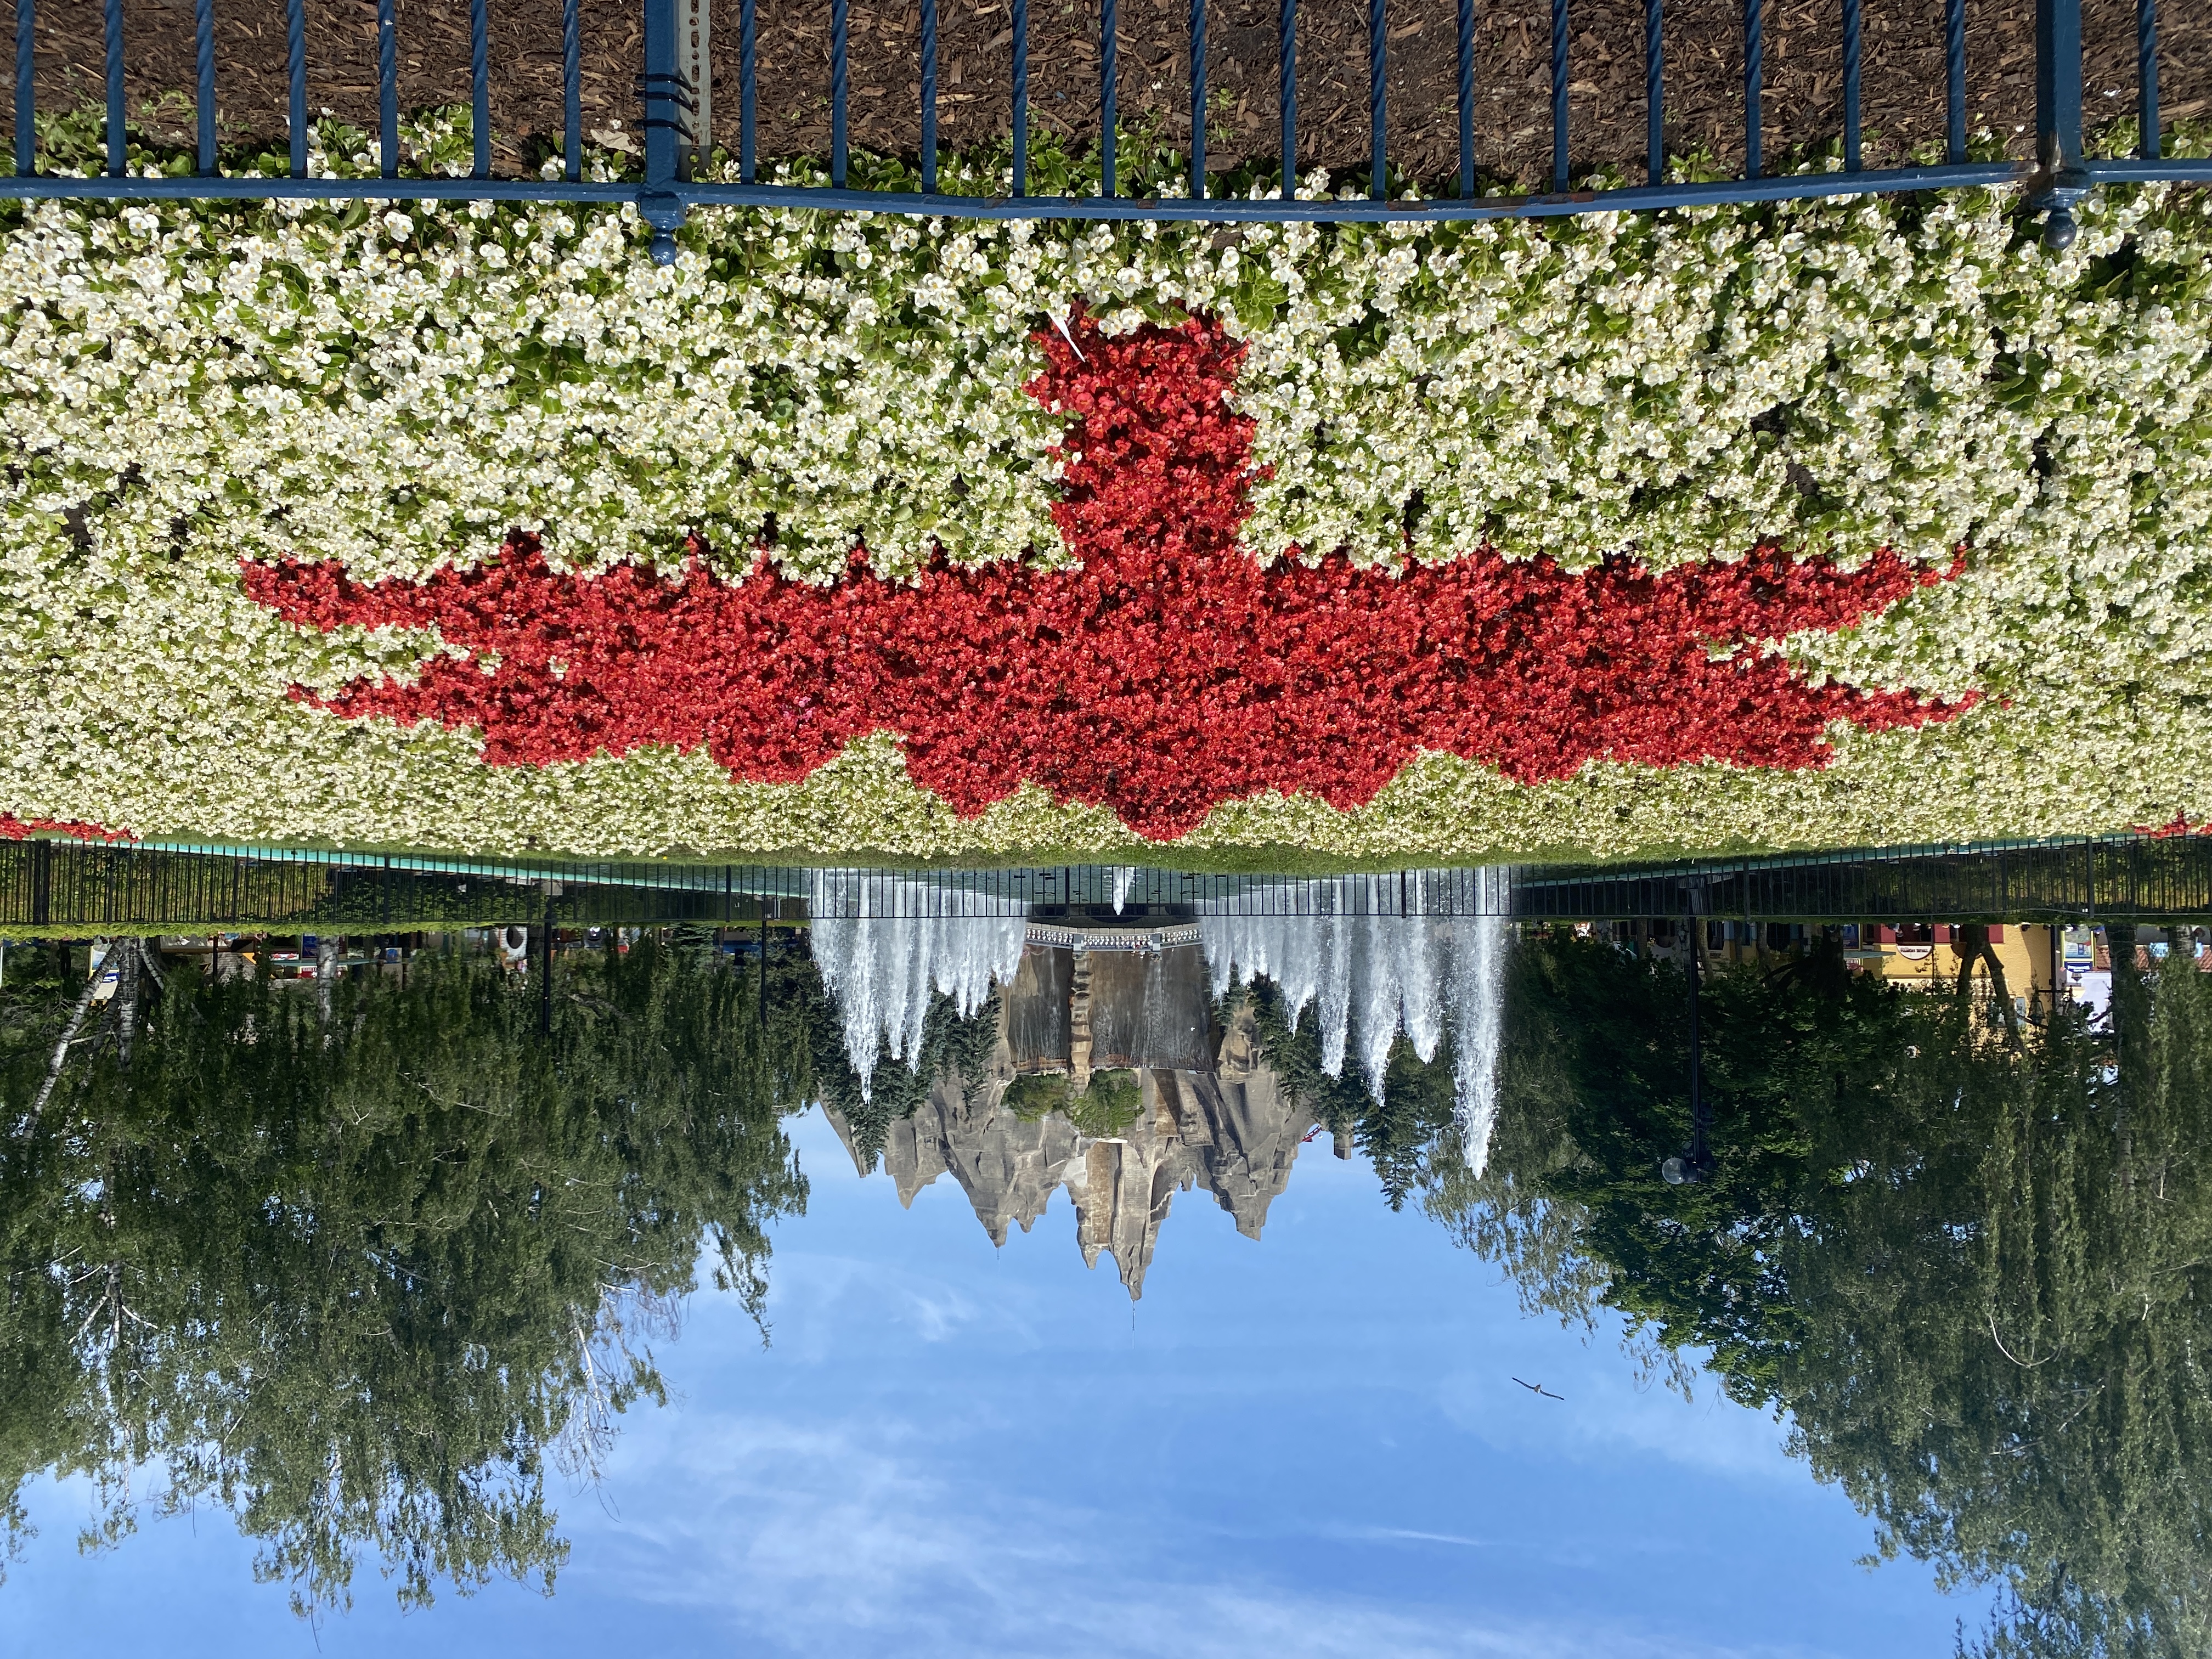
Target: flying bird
x=1538 y=1387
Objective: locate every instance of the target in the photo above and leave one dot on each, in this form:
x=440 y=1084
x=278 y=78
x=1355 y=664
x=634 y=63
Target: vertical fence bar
x=1851 y=160
x=694 y=54
x=1755 y=19
x=118 y=146
x=572 y=93
x=204 y=49
x=1287 y=90
x=749 y=88
x=1654 y=93
x=480 y=88
x=388 y=88
x=2058 y=117
x=1109 y=73
x=1559 y=94
x=2147 y=75
x=840 y=23
x=1465 y=99
x=664 y=129
x=1954 y=80
x=296 y=59
x=1020 y=23
x=929 y=97
x=1377 y=69
x=26 y=91
x=42 y=863
x=1198 y=100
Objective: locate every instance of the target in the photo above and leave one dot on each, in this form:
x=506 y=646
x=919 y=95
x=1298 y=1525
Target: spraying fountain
x=1374 y=956
x=885 y=943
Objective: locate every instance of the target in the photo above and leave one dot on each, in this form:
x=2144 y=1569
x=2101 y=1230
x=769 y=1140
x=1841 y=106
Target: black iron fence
x=2123 y=877
x=62 y=887
x=65 y=887
x=676 y=88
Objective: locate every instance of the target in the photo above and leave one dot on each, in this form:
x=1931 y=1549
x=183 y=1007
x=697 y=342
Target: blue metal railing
x=2059 y=174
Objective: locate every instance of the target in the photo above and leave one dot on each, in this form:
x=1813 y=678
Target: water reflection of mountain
x=1152 y=1016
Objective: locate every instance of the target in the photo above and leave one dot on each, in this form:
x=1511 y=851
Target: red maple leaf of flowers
x=14 y=828
x=1169 y=673
x=2179 y=825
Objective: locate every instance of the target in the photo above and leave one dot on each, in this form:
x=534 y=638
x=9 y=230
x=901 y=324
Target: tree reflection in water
x=1972 y=1263
x=356 y=1270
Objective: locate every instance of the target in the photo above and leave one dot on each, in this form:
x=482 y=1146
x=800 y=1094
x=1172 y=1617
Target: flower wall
x=1992 y=459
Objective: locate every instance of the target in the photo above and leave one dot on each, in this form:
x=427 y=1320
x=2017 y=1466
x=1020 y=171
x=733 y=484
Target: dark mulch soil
x=1903 y=75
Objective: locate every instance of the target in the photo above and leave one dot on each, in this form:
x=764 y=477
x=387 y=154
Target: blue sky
x=1299 y=1448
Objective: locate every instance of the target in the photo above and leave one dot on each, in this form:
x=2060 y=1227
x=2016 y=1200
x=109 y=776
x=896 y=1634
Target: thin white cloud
x=860 y=1538
x=817 y=1293
x=1385 y=1534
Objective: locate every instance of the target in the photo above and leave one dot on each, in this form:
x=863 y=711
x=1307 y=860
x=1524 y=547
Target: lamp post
x=1695 y=1162
x=545 y=969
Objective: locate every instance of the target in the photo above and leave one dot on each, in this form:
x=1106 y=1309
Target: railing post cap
x=664 y=212
x=2056 y=194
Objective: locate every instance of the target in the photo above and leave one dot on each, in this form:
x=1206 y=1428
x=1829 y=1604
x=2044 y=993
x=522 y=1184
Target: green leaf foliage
x=1402 y=1132
x=356 y=1272
x=1972 y=1270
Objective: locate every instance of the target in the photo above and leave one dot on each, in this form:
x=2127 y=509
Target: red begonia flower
x=2179 y=826
x=14 y=828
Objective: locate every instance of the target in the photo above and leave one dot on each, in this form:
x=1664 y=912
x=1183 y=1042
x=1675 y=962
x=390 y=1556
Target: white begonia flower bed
x=189 y=385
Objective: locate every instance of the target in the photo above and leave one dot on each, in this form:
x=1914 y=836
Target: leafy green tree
x=1107 y=1106
x=951 y=1048
x=2015 y=1291
x=359 y=1276
x=1969 y=1262
x=1400 y=1133
x=1038 y=1095
x=1597 y=1073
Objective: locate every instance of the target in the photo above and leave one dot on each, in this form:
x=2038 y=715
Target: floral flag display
x=469 y=529
x=1164 y=674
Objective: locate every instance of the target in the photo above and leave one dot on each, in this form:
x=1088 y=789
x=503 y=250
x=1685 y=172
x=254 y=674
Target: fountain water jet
x=1371 y=957
x=1122 y=879
x=880 y=969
